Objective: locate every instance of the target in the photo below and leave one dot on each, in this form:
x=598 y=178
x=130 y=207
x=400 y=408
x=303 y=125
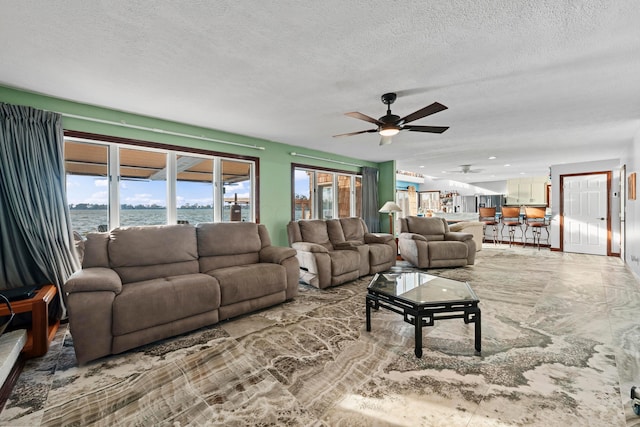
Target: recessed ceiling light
x=421 y=166
x=492 y=158
x=522 y=173
x=507 y=165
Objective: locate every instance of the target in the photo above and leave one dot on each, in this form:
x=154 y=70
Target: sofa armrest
x=457 y=236
x=309 y=247
x=377 y=238
x=93 y=279
x=413 y=236
x=348 y=244
x=276 y=254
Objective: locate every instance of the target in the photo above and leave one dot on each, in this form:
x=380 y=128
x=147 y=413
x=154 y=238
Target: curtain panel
x=36 y=242
x=370 y=199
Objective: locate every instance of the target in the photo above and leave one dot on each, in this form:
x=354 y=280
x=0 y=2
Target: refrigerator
x=490 y=201
x=466 y=204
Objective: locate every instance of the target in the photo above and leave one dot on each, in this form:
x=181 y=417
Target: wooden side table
x=41 y=333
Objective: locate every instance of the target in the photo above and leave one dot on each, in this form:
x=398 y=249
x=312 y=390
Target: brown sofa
x=335 y=251
x=141 y=284
x=427 y=242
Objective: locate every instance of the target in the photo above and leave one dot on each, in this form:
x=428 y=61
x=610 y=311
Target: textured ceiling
x=533 y=83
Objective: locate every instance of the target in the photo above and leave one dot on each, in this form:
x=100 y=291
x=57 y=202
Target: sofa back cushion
x=226 y=244
x=353 y=229
x=149 y=252
x=315 y=231
x=432 y=228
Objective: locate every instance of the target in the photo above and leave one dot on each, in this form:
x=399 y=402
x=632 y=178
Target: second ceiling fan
x=390 y=124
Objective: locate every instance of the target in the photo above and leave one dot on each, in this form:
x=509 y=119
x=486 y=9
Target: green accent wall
x=386 y=190
x=275 y=160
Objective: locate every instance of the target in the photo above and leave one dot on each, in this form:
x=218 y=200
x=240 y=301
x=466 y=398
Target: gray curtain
x=36 y=243
x=370 y=199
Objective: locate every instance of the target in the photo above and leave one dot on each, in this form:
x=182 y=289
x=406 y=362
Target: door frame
x=623 y=210
x=608 y=174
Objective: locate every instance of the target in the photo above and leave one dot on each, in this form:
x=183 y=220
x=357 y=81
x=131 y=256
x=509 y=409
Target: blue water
x=88 y=220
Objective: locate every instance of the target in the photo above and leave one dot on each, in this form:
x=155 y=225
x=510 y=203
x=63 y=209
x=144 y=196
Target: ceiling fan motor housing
x=388 y=98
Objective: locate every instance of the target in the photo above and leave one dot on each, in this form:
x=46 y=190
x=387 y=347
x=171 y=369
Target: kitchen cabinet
x=527 y=191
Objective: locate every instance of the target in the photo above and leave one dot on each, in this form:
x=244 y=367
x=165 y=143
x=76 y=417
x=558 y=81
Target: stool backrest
x=534 y=212
x=487 y=213
x=510 y=212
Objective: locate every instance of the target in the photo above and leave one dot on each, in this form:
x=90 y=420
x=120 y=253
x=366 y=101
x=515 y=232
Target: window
x=194 y=189
x=87 y=169
x=303 y=194
x=236 y=178
x=143 y=183
x=325 y=194
x=110 y=184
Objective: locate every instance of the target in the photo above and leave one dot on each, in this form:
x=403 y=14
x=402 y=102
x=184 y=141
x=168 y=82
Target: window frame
x=114 y=144
x=314 y=197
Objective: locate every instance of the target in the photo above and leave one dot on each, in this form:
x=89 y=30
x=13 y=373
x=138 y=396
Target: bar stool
x=535 y=218
x=511 y=219
x=488 y=217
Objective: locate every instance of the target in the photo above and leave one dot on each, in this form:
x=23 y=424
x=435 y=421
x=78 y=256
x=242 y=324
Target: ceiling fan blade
x=356 y=133
x=384 y=140
x=423 y=112
x=364 y=117
x=432 y=129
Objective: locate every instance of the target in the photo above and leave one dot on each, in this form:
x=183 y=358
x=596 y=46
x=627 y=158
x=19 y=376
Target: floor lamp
x=390 y=208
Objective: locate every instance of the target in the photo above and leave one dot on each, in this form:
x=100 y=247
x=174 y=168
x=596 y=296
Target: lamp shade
x=390 y=207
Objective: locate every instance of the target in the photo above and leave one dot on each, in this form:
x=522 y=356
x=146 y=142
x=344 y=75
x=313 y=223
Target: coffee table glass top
x=419 y=287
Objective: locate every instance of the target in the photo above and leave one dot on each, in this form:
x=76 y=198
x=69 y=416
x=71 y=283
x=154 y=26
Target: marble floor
x=561 y=346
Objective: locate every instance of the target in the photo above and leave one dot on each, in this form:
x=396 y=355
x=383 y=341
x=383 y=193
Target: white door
x=585 y=214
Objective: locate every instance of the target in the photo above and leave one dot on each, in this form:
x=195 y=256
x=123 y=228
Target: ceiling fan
x=390 y=124
x=464 y=169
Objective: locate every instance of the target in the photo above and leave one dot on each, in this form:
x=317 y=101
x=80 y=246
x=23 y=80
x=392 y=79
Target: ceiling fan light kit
x=389 y=130
x=391 y=124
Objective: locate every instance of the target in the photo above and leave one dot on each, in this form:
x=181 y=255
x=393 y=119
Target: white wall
x=492 y=187
x=632 y=216
x=612 y=166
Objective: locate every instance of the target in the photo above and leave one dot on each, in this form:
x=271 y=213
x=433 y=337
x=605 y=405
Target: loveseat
x=141 y=284
x=427 y=242
x=335 y=251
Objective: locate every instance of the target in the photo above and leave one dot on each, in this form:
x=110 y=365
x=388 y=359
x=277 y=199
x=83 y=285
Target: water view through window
x=138 y=189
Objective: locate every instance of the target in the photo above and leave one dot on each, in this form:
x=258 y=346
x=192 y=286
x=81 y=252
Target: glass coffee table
x=422 y=299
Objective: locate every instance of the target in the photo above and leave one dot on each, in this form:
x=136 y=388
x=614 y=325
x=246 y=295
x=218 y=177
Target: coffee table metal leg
x=478 y=331
x=418 y=350
x=368 y=314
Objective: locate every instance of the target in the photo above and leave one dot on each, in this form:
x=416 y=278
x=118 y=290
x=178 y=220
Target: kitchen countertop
x=457 y=216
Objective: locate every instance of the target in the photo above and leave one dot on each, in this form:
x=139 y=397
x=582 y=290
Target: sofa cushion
x=220 y=238
x=315 y=231
x=156 y=271
x=353 y=229
x=380 y=253
x=245 y=282
x=344 y=261
x=432 y=228
x=149 y=303
x=151 y=245
x=223 y=245
x=448 y=250
x=150 y=252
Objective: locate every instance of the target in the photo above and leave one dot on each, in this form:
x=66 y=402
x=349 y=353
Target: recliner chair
x=427 y=242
